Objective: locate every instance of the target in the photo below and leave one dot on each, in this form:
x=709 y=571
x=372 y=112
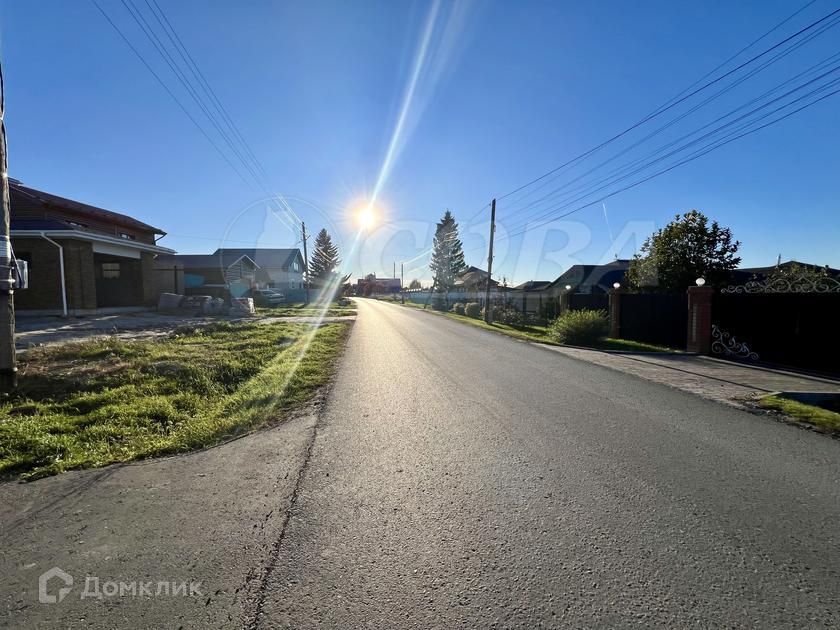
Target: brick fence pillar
x=615 y=312
x=699 y=319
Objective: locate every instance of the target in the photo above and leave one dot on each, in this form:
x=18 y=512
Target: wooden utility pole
x=8 y=359
x=402 y=281
x=488 y=309
x=305 y=261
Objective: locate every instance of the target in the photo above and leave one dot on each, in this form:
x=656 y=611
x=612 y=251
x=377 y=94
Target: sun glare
x=365 y=217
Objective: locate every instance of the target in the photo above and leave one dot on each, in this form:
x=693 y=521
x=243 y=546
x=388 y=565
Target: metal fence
x=657 y=318
x=793 y=329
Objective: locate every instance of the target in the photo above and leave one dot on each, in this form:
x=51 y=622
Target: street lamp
x=616 y=285
x=568 y=287
x=700 y=282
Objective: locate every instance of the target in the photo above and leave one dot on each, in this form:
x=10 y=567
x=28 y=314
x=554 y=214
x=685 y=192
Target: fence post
x=562 y=303
x=700 y=319
x=615 y=312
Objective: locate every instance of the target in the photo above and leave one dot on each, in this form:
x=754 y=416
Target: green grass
x=540 y=334
x=103 y=401
x=800 y=411
x=300 y=309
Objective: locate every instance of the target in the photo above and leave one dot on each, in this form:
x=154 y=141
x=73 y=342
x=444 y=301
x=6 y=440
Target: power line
x=169 y=91
x=674 y=103
x=673 y=121
x=611 y=174
x=251 y=165
x=699 y=153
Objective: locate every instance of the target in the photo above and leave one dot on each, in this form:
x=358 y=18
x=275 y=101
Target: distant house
x=379 y=285
x=213 y=274
x=745 y=274
x=82 y=259
x=528 y=297
x=472 y=280
x=236 y=271
x=280 y=269
x=590 y=278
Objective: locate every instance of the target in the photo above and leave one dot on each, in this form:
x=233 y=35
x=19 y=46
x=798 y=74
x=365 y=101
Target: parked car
x=267 y=297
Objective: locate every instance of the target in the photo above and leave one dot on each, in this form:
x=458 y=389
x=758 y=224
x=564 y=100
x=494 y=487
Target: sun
x=366 y=217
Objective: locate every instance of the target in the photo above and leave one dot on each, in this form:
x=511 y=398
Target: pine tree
x=324 y=259
x=447 y=255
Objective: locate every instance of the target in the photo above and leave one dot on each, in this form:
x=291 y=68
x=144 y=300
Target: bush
x=438 y=302
x=580 y=328
x=458 y=308
x=506 y=314
x=472 y=309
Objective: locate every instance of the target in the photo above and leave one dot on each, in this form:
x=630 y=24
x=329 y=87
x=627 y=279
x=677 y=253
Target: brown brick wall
x=79 y=274
x=150 y=279
x=44 y=292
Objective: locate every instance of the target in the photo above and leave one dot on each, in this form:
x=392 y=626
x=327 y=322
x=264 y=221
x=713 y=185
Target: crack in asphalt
x=274 y=554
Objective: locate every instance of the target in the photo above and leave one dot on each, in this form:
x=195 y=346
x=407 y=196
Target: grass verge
x=102 y=401
x=302 y=310
x=540 y=334
x=816 y=416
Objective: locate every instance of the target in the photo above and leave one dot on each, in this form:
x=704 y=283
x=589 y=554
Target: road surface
x=456 y=478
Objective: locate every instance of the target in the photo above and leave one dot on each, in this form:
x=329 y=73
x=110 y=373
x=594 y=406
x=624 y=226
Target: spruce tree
x=447 y=255
x=324 y=259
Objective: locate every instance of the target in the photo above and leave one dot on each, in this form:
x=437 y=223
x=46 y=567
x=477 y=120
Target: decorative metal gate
x=785 y=321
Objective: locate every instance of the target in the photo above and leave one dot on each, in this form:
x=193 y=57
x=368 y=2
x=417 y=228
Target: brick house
x=82 y=259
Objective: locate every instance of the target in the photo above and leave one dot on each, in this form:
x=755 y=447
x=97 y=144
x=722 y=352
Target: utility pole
x=488 y=310
x=8 y=359
x=305 y=260
x=402 y=281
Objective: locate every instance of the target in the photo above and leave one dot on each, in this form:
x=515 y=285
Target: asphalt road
x=454 y=478
x=462 y=479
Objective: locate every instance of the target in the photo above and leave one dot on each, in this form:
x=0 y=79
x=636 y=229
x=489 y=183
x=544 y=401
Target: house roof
x=26 y=198
x=473 y=275
x=265 y=257
x=594 y=275
x=759 y=271
x=532 y=285
x=206 y=261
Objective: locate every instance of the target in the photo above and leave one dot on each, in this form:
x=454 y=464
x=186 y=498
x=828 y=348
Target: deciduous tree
x=689 y=247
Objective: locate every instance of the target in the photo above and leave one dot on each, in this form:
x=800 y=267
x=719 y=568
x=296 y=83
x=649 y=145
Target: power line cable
x=673 y=104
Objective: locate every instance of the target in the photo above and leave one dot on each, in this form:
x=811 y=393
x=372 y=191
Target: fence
x=791 y=329
x=657 y=318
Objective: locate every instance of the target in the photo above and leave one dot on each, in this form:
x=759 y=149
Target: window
x=77 y=224
x=27 y=256
x=128 y=237
x=111 y=270
x=295 y=266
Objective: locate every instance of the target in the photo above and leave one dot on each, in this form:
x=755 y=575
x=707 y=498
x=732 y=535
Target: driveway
x=456 y=478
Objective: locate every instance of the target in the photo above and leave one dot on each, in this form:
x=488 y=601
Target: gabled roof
x=473 y=275
x=532 y=285
x=787 y=265
x=593 y=275
x=26 y=198
x=207 y=261
x=265 y=257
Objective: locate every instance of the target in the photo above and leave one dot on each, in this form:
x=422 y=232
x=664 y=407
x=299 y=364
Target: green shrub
x=439 y=302
x=458 y=308
x=506 y=314
x=580 y=328
x=472 y=309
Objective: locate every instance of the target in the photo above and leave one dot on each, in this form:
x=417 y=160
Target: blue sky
x=505 y=92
